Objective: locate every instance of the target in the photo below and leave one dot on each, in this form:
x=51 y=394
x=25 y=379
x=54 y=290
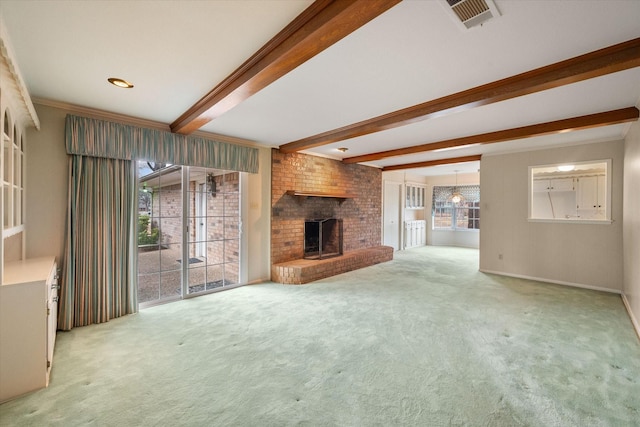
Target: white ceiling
x=176 y=51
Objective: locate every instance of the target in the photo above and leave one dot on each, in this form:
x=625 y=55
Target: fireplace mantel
x=341 y=197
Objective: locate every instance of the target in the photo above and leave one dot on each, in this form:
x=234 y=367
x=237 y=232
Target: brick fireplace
x=315 y=180
x=322 y=238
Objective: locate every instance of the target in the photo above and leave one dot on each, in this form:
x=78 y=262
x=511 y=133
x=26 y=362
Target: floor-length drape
x=100 y=257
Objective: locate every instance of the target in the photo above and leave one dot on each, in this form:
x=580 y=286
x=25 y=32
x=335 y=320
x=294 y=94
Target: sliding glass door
x=188 y=231
x=214 y=229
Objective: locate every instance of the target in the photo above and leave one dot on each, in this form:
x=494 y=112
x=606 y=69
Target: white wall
x=46 y=202
x=631 y=223
x=587 y=255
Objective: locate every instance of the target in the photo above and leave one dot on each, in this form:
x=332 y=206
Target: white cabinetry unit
x=415 y=233
x=16 y=115
x=592 y=196
x=591 y=192
x=415 y=196
x=28 y=322
x=554 y=184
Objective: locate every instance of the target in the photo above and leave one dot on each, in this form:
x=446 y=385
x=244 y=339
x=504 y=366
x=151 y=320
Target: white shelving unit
x=12 y=177
x=415 y=232
x=16 y=115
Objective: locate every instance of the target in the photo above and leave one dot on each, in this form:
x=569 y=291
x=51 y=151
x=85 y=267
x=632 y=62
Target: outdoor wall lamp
x=211 y=185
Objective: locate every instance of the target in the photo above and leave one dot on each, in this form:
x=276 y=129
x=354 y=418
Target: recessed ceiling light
x=566 y=168
x=343 y=149
x=120 y=83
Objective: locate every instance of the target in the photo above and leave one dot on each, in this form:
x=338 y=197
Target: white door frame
x=387 y=202
x=201 y=209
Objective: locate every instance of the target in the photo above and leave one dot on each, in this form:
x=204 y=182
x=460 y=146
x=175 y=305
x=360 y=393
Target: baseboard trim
x=634 y=321
x=258 y=281
x=555 y=282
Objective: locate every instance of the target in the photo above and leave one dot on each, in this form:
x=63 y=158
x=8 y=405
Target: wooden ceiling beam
x=319 y=26
x=567 y=125
x=430 y=163
x=598 y=63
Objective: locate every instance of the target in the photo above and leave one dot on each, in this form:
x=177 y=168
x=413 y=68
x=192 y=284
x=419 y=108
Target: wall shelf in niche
x=302 y=195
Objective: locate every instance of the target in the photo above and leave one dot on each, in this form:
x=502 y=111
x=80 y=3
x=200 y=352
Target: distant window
x=447 y=215
x=570 y=192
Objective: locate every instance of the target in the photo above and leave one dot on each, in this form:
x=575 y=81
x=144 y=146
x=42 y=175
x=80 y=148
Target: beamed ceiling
x=400 y=84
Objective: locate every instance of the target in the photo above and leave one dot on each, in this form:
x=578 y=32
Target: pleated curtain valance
x=100 y=138
x=471 y=193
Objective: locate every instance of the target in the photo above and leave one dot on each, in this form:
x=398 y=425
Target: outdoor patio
x=159 y=272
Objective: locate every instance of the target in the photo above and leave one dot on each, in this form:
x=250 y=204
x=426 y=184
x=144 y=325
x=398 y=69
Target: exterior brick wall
x=223 y=213
x=167 y=213
x=362 y=215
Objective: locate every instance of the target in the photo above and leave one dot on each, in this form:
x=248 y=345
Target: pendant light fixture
x=456 y=197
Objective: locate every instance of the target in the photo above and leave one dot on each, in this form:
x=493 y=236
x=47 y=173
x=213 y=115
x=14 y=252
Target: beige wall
x=256 y=209
x=631 y=222
x=47 y=180
x=588 y=255
x=46 y=203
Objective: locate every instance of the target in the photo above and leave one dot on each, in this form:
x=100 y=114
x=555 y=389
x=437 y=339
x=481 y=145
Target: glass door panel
x=172 y=265
x=214 y=233
x=159 y=232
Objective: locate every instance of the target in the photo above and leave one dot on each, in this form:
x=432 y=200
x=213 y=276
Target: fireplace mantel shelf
x=304 y=194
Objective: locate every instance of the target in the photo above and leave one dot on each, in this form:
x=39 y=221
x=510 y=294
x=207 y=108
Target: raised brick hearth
x=301 y=271
x=299 y=185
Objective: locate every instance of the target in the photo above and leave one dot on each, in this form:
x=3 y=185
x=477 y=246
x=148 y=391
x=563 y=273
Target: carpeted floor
x=423 y=340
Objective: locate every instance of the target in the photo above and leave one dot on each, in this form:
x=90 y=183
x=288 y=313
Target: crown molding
x=12 y=76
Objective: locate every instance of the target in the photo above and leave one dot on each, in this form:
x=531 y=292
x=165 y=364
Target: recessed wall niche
x=573 y=192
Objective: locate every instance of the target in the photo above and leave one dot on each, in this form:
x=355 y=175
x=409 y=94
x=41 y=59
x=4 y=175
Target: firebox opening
x=322 y=238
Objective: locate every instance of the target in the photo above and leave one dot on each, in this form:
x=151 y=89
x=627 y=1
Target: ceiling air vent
x=472 y=12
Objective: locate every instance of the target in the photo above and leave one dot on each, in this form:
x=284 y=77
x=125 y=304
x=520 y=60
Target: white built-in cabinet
x=28 y=287
x=415 y=229
x=582 y=197
x=415 y=195
x=554 y=184
x=12 y=176
x=28 y=323
x=592 y=196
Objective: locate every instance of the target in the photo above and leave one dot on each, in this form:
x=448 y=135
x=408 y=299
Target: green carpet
x=423 y=340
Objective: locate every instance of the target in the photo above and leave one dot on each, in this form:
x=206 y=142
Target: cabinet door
x=52 y=316
x=601 y=193
x=588 y=192
x=561 y=184
x=541 y=185
x=23 y=333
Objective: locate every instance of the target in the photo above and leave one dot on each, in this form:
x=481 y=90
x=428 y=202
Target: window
x=574 y=192
x=447 y=215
